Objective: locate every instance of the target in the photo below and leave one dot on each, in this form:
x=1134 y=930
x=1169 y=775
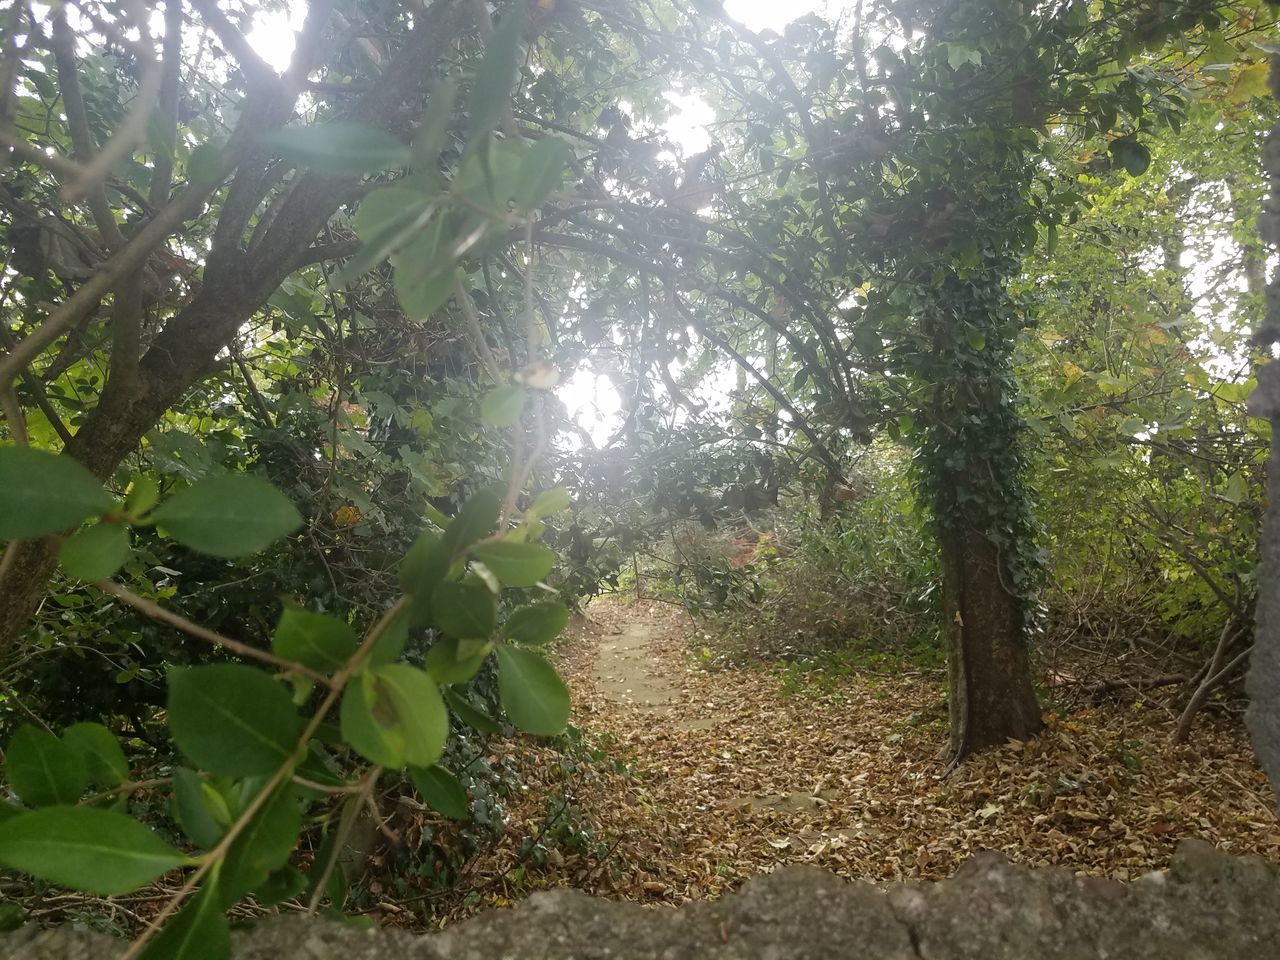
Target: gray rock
x=1207 y=906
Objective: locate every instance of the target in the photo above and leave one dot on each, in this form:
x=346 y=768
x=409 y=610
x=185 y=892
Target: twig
x=218 y=853
x=157 y=612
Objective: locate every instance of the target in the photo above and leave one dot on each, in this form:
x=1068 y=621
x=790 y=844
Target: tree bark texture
x=1263 y=681
x=990 y=695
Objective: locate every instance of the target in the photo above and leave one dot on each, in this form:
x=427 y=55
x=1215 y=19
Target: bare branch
x=167 y=109
x=26 y=150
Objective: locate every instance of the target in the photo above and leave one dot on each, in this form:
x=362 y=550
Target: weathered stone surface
x=1208 y=906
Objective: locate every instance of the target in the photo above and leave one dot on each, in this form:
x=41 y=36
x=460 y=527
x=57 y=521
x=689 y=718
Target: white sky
x=272 y=33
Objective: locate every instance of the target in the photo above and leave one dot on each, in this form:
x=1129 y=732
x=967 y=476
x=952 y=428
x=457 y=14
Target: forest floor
x=689 y=778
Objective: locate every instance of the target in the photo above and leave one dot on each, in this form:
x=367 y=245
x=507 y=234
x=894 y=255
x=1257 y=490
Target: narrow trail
x=726 y=775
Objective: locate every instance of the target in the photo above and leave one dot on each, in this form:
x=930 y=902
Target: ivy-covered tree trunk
x=972 y=472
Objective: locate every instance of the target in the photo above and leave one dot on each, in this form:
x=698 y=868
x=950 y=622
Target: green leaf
x=541 y=172
x=424 y=271
x=95 y=552
x=441 y=791
x=429 y=139
x=389 y=647
x=532 y=693
x=263 y=846
x=496 y=74
x=199 y=931
x=393 y=715
x=536 y=623
x=85 y=848
x=144 y=493
x=503 y=405
x=100 y=752
x=12 y=916
x=283 y=884
x=315 y=640
x=387 y=220
x=476 y=520
x=1250 y=82
x=448 y=664
x=464 y=610
x=516 y=564
x=206 y=164
x=424 y=566
x=44 y=770
x=42 y=493
x=469 y=714
x=198 y=808
x=550 y=502
x=1132 y=155
x=228 y=516
x=340 y=149
x=232 y=720
x=976 y=339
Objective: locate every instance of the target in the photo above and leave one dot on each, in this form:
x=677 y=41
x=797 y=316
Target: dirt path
x=726 y=776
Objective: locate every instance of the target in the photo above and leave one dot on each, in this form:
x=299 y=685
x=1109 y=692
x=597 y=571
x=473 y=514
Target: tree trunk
x=1263 y=681
x=990 y=695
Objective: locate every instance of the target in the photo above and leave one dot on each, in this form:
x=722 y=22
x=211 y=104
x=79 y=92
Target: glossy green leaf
x=100 y=752
x=44 y=770
x=198 y=808
x=532 y=693
x=503 y=405
x=476 y=520
x=43 y=493
x=315 y=640
x=228 y=516
x=231 y=719
x=263 y=846
x=339 y=148
x=441 y=791
x=536 y=623
x=85 y=848
x=470 y=714
x=464 y=610
x=390 y=645
x=447 y=663
x=516 y=564
x=199 y=931
x=424 y=566
x=95 y=552
x=393 y=715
